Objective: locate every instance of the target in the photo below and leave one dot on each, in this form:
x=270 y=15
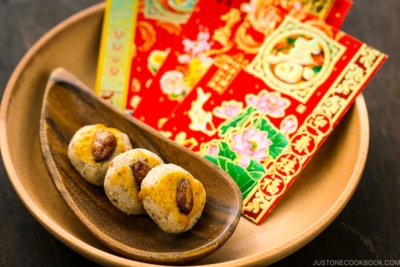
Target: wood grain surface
x=135 y=237
x=368 y=227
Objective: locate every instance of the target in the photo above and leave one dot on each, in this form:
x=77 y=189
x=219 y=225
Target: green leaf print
x=242 y=178
x=245 y=178
x=279 y=141
x=239 y=119
x=247 y=187
x=212 y=159
x=226 y=152
x=255 y=166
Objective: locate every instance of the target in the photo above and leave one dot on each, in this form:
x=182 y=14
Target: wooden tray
x=310 y=205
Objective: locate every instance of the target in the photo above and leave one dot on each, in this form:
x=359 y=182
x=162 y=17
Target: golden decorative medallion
x=296 y=59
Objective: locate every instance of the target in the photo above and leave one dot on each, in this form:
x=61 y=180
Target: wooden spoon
x=69 y=105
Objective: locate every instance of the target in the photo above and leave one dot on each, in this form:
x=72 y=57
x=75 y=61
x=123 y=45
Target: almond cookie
x=93 y=147
x=173 y=198
x=124 y=178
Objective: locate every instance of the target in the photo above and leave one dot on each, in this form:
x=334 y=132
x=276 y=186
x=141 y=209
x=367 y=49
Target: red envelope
x=261 y=117
x=216 y=28
x=191 y=56
x=152 y=45
x=134 y=46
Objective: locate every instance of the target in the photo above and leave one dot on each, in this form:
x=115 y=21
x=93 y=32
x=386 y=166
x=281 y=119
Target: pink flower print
x=188 y=45
x=205 y=60
x=297 y=5
x=289 y=125
x=212 y=150
x=201 y=45
x=184 y=59
x=203 y=36
x=228 y=110
x=172 y=83
x=198 y=46
x=251 y=145
x=249 y=7
x=270 y=103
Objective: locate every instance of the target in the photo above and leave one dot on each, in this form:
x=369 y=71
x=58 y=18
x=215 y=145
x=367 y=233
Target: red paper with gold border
x=152 y=45
x=261 y=117
x=152 y=36
x=220 y=28
x=195 y=50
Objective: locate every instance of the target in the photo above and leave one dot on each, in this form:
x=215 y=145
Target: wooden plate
x=310 y=205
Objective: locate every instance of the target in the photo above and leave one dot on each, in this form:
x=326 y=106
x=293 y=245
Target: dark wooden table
x=367 y=229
